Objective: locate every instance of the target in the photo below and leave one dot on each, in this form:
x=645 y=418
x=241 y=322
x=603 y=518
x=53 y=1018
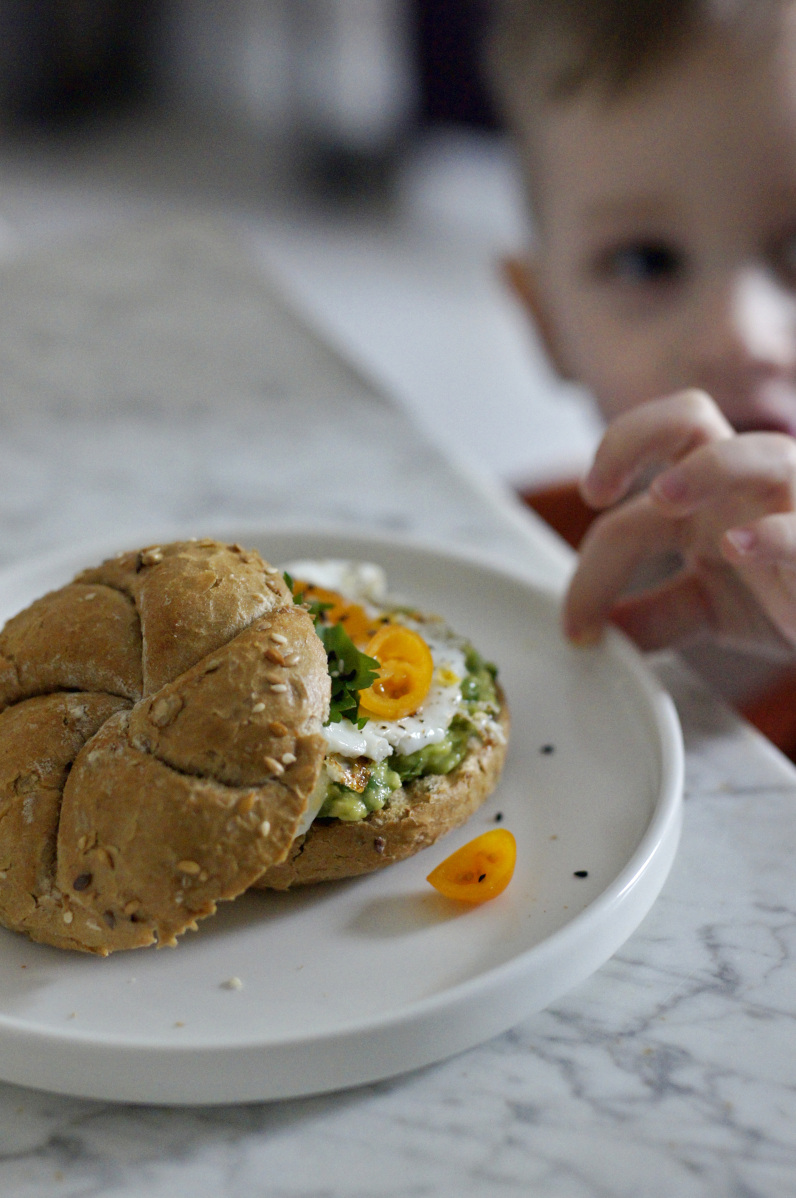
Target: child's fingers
x=770 y=541
x=668 y=615
x=664 y=430
x=693 y=603
x=764 y=555
x=610 y=555
x=745 y=478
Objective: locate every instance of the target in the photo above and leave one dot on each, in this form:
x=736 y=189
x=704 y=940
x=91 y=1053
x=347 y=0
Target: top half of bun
x=195 y=692
x=137 y=621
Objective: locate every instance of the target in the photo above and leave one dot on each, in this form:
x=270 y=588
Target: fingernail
x=670 y=486
x=743 y=540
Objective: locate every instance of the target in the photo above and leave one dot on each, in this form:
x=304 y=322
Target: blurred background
x=354 y=140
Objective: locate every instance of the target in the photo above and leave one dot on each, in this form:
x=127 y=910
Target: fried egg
x=365 y=583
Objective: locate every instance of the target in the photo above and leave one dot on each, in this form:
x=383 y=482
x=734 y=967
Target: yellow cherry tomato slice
x=356 y=621
x=405 y=673
x=479 y=870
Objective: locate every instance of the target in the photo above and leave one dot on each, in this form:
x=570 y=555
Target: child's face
x=667 y=234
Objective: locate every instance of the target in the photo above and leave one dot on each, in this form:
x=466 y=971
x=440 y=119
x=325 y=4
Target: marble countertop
x=151 y=377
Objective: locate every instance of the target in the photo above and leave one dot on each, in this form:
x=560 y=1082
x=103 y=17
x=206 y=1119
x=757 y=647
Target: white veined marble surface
x=149 y=375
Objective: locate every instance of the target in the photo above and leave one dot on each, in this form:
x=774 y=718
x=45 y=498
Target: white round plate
x=358 y=981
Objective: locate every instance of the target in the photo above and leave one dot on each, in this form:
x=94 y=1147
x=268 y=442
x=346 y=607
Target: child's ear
x=522 y=276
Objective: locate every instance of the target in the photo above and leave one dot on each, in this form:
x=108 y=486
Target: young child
x=658 y=140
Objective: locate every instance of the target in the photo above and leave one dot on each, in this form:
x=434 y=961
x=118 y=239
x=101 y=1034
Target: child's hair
x=548 y=50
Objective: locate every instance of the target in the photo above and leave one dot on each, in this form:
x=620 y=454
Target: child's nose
x=746 y=323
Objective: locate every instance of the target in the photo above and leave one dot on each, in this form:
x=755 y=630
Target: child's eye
x=641 y=262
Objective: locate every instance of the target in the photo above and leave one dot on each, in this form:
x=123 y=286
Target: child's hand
x=724 y=502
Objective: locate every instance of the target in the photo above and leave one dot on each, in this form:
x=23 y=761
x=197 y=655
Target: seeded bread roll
x=160 y=733
x=416 y=816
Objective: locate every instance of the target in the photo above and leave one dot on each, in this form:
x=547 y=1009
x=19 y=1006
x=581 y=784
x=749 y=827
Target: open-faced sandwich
x=183 y=722
x=416 y=735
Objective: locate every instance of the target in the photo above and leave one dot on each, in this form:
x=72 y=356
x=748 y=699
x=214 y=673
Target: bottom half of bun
x=417 y=815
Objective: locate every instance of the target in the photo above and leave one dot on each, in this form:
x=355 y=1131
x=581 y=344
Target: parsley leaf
x=314 y=606
x=351 y=671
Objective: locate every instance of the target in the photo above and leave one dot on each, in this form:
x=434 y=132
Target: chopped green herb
x=350 y=670
x=314 y=606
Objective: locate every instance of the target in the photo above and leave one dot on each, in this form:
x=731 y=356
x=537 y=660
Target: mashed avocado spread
x=479 y=699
